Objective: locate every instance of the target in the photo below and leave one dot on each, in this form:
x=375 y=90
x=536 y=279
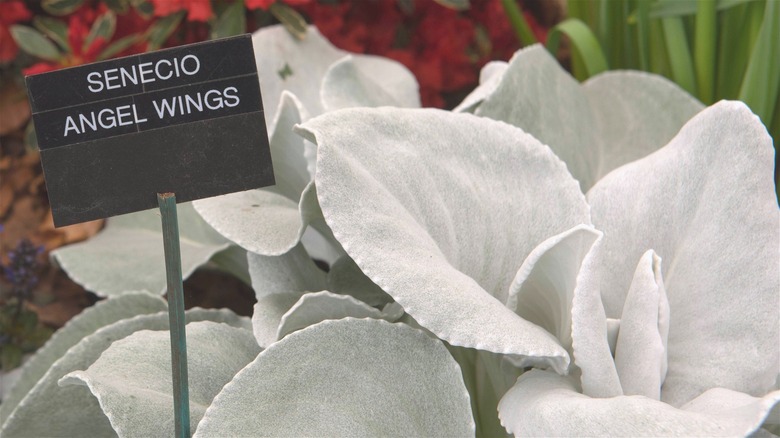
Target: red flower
x=265 y=4
x=197 y=10
x=11 y=12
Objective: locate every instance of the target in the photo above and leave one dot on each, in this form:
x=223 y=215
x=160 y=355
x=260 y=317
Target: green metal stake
x=181 y=394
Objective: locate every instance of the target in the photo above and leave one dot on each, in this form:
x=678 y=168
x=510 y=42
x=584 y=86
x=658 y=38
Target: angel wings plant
x=549 y=259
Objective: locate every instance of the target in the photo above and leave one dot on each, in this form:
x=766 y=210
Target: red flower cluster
x=11 y=12
x=197 y=10
x=201 y=10
x=444 y=48
x=79 y=24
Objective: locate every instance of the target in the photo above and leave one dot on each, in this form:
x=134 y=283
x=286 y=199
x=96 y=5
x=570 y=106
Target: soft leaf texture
x=72 y=410
x=474 y=198
x=286 y=63
x=706 y=204
x=87 y=322
x=489 y=78
x=640 y=353
x=368 y=81
x=296 y=83
x=277 y=315
x=593 y=336
x=260 y=221
x=345 y=378
x=316 y=307
x=136 y=394
x=546 y=404
x=612 y=119
x=301 y=66
x=268 y=312
x=346 y=278
x=543 y=289
x=269 y=221
x=290 y=272
x=128 y=254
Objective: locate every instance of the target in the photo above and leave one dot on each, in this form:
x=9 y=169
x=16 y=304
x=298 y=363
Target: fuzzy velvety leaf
x=440 y=211
x=316 y=307
x=73 y=410
x=300 y=65
x=612 y=119
x=87 y=322
x=489 y=78
x=269 y=221
x=132 y=378
x=345 y=378
x=546 y=404
x=293 y=271
x=640 y=350
x=543 y=289
x=368 y=81
x=345 y=277
x=128 y=254
x=706 y=204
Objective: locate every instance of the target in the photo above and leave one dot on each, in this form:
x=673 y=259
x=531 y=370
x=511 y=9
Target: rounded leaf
x=348 y=377
x=706 y=204
x=128 y=254
x=132 y=378
x=440 y=210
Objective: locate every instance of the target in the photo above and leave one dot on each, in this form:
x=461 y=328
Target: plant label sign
x=187 y=120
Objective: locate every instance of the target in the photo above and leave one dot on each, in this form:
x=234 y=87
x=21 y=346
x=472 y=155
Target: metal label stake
x=181 y=394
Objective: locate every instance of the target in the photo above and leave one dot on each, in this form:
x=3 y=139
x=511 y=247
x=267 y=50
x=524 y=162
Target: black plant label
x=187 y=120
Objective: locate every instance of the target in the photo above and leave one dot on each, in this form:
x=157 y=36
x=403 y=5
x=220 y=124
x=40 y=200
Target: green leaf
x=87 y=322
x=584 y=42
x=10 y=357
x=458 y=5
x=231 y=22
x=119 y=46
x=61 y=7
x=73 y=410
x=134 y=375
x=761 y=83
x=677 y=8
x=145 y=8
x=128 y=254
x=705 y=41
x=159 y=32
x=733 y=53
x=643 y=33
x=350 y=377
x=118 y=6
x=55 y=29
x=520 y=26
x=290 y=19
x=679 y=52
x=103 y=27
x=34 y=43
